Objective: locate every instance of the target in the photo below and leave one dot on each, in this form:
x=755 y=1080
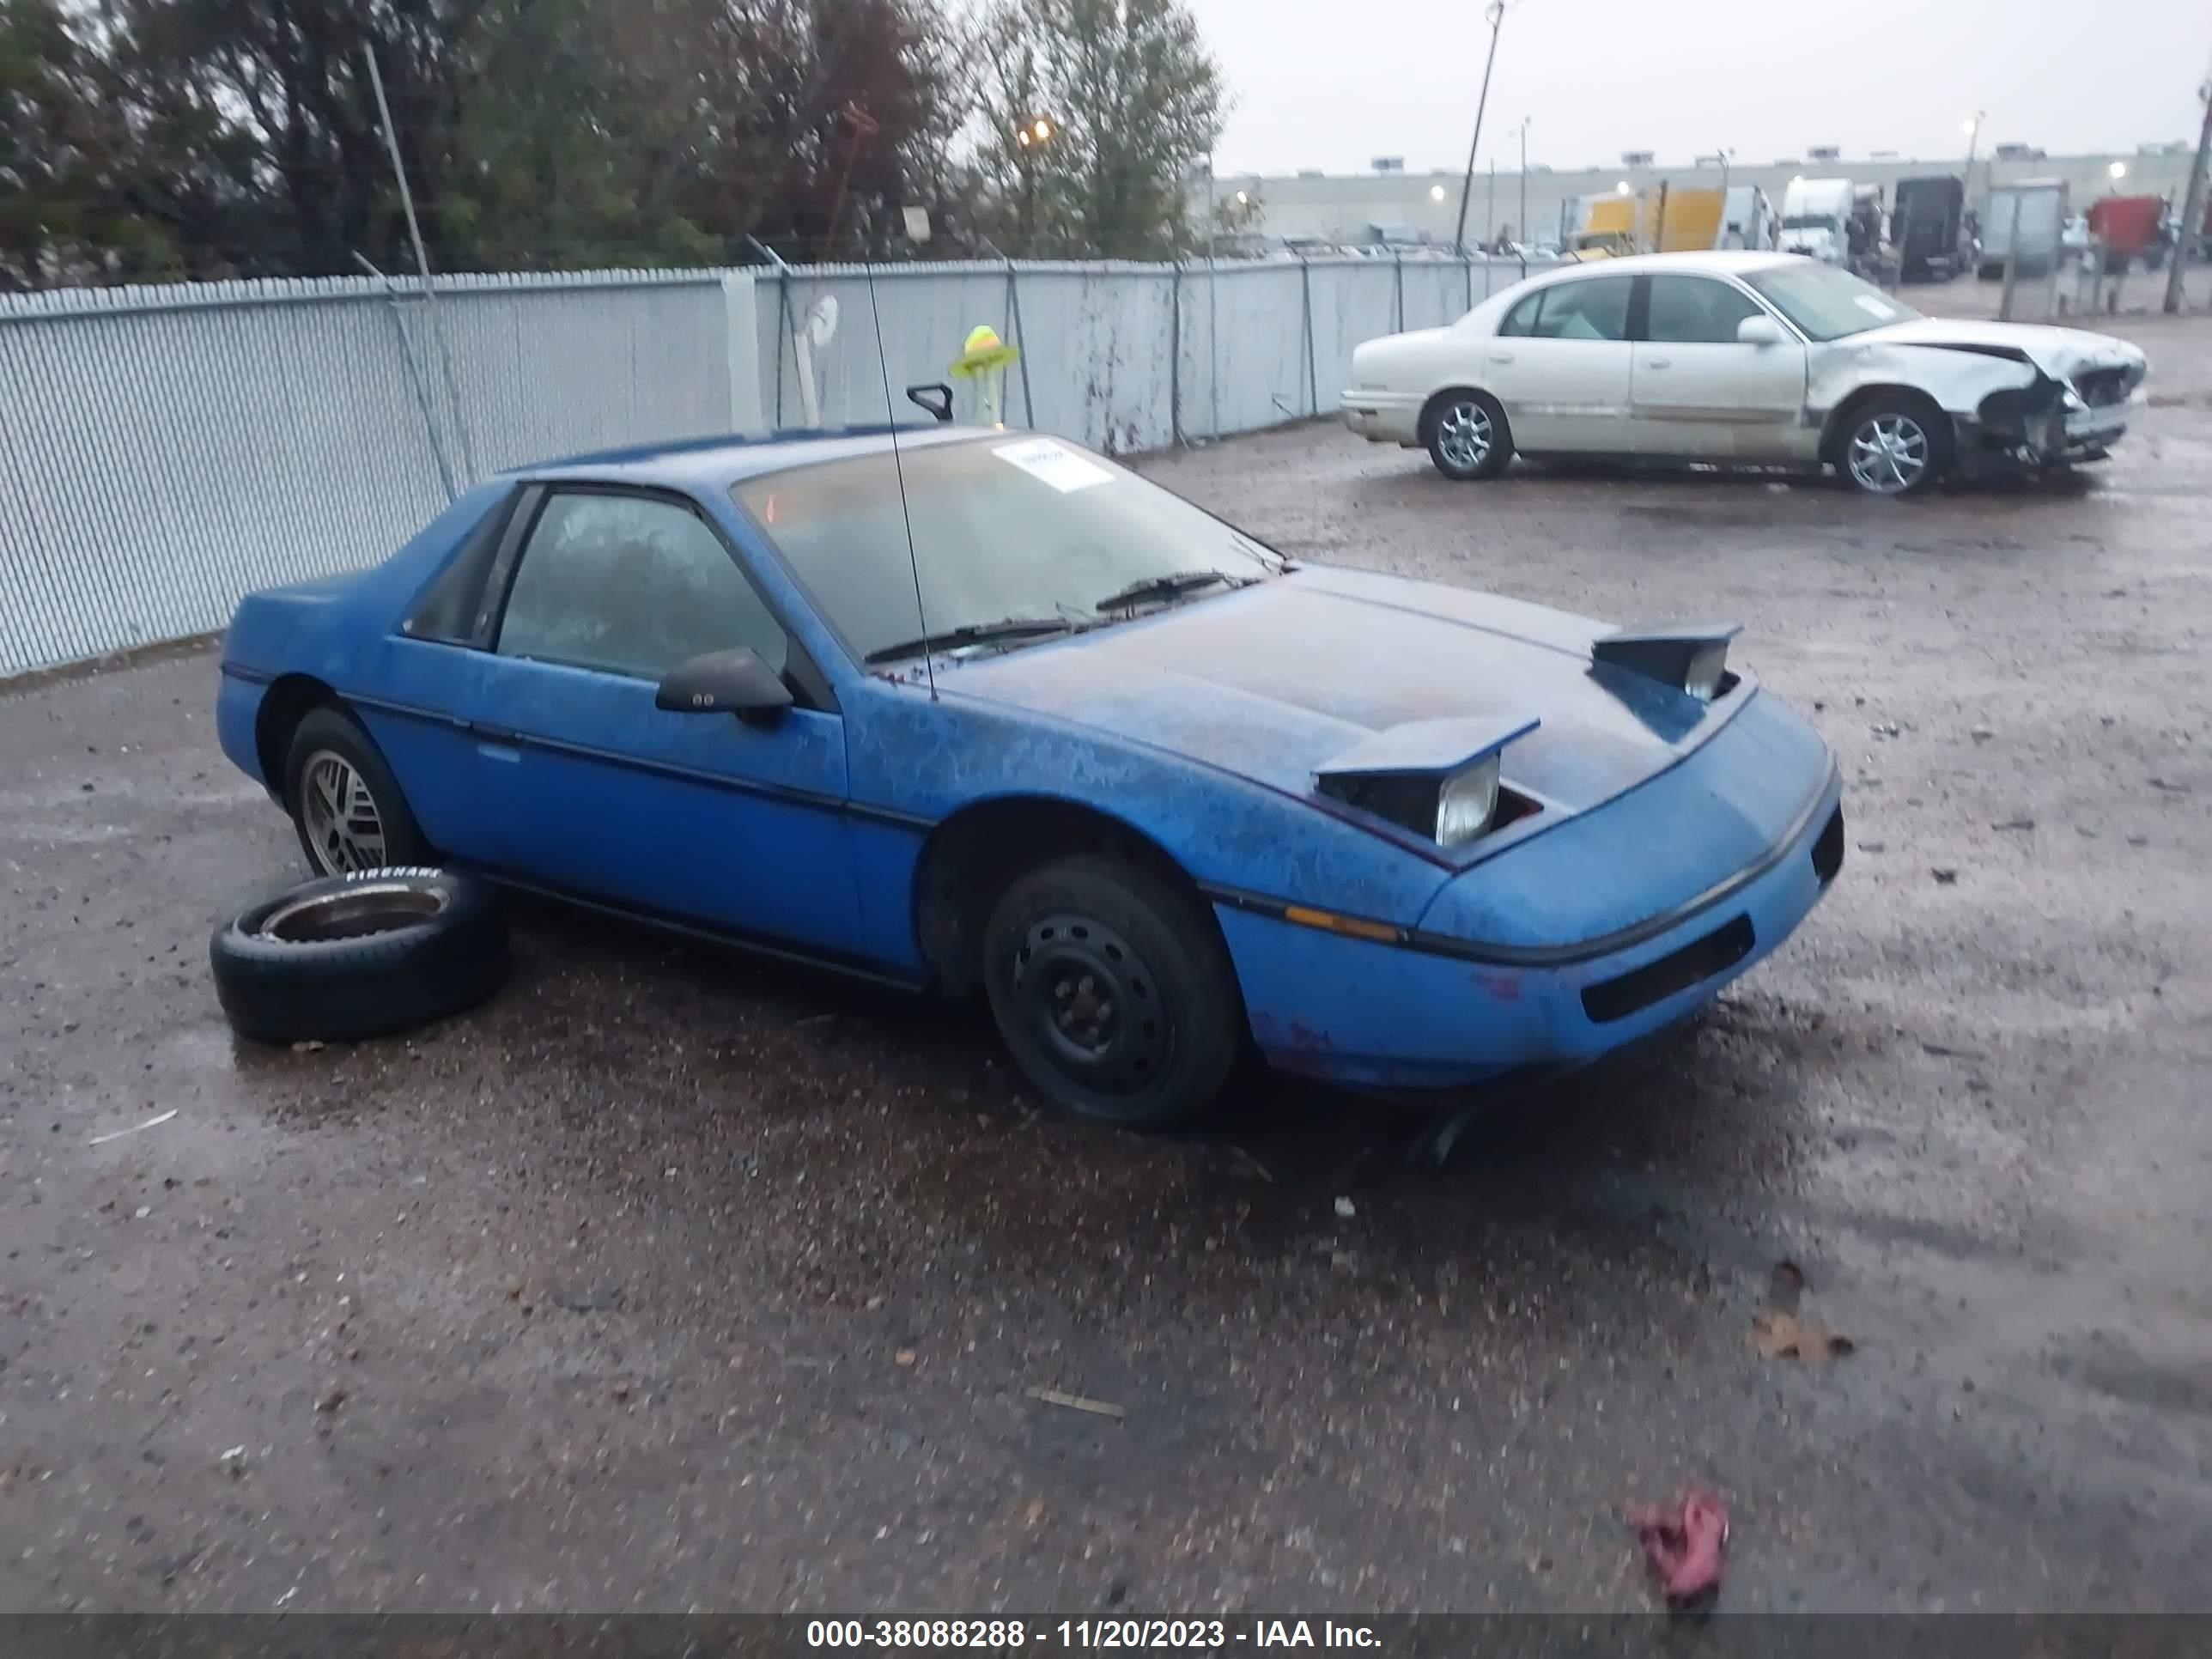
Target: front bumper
x=1384 y=417
x=1385 y=1016
x=2048 y=423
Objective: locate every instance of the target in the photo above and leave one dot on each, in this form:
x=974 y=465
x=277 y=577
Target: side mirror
x=935 y=397
x=734 y=682
x=1759 y=331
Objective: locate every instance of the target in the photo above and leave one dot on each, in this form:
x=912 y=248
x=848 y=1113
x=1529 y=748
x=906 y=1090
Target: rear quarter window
x=447 y=610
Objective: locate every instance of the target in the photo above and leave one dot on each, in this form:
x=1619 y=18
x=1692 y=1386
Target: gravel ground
x=670 y=1281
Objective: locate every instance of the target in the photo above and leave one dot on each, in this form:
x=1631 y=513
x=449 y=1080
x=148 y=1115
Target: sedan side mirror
x=735 y=682
x=1759 y=331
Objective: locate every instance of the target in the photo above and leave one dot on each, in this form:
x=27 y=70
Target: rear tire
x=1467 y=436
x=1113 y=991
x=359 y=956
x=344 y=802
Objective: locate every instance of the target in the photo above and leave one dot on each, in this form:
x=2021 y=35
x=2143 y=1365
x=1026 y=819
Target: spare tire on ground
x=362 y=954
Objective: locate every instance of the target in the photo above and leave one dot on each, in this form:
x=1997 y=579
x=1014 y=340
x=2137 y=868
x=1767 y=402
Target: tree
x=223 y=138
x=1128 y=95
x=51 y=142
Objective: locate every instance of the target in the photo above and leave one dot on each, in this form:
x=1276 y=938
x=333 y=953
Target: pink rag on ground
x=1685 y=1545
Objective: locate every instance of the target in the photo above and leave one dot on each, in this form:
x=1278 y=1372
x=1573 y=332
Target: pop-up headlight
x=1437 y=778
x=1692 y=657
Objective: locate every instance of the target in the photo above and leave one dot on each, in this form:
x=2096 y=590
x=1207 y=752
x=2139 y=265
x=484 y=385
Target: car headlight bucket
x=1466 y=802
x=1707 y=665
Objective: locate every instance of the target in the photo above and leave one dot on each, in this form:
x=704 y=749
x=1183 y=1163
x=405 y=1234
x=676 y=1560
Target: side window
x=1522 y=319
x=632 y=586
x=1595 y=308
x=1696 y=310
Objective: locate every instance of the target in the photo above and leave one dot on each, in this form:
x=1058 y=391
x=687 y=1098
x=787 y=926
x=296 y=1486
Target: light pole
x=1494 y=13
x=1971 y=126
x=1030 y=137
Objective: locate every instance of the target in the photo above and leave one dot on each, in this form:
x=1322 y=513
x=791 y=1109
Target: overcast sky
x=1333 y=83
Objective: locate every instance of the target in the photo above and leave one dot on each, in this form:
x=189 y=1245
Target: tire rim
x=1094 y=1003
x=1464 y=435
x=356 y=913
x=1888 y=454
x=345 y=826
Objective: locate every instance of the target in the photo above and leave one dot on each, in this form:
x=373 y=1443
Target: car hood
x=1274 y=680
x=2060 y=353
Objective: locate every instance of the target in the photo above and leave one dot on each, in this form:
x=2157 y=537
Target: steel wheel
x=341 y=822
x=1465 y=435
x=1094 y=1003
x=1889 y=452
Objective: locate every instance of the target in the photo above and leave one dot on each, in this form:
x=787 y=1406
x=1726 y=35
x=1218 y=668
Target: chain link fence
x=165 y=451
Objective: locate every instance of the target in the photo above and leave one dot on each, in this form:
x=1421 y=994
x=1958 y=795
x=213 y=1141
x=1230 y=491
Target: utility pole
x=1973 y=127
x=1522 y=229
x=2193 y=205
x=1494 y=13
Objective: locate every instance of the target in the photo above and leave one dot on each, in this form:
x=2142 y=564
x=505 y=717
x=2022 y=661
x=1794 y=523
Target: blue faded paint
x=1657 y=817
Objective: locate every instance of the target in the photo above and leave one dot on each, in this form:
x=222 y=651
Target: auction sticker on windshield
x=1055 y=463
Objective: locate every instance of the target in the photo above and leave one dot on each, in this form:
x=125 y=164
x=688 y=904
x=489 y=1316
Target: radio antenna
x=890 y=415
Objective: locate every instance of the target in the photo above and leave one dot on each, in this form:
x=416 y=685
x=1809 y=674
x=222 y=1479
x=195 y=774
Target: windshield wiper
x=1166 y=587
x=984 y=633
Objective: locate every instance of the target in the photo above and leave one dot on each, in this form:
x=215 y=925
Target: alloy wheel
x=1888 y=454
x=1464 y=435
x=344 y=827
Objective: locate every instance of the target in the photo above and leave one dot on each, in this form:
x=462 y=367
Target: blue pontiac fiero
x=1153 y=789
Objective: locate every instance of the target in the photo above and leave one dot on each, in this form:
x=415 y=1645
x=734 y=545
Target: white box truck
x=2030 y=216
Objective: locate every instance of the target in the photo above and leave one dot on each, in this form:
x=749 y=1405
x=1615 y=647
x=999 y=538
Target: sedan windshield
x=1825 y=303
x=1016 y=539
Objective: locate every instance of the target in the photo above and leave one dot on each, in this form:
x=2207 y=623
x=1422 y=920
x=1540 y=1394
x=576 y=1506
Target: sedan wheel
x=1889 y=453
x=1467 y=436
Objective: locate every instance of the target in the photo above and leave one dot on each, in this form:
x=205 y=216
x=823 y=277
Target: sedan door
x=598 y=793
x=1700 y=393
x=1560 y=364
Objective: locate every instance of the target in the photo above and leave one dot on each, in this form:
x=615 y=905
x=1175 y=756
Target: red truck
x=2128 y=227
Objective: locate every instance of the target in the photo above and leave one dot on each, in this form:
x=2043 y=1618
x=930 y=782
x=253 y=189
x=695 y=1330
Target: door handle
x=1657 y=362
x=496 y=743
x=1501 y=356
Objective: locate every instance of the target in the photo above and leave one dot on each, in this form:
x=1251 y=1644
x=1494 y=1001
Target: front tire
x=1113 y=991
x=344 y=802
x=1894 y=446
x=1467 y=436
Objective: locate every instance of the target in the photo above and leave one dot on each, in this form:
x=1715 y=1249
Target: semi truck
x=1928 y=217
x=1815 y=219
x=1747 y=219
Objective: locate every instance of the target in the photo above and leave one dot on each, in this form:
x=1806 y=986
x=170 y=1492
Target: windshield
x=1825 y=303
x=1810 y=222
x=1006 y=528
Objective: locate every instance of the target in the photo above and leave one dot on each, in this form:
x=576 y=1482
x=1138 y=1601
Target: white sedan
x=1744 y=358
